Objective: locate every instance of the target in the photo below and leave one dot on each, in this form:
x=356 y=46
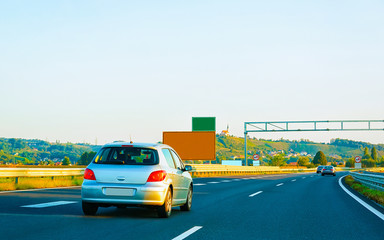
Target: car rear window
x=126 y=156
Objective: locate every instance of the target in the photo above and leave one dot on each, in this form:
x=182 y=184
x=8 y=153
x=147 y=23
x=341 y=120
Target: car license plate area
x=128 y=192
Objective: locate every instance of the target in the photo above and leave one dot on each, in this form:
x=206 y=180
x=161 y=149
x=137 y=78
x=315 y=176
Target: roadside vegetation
x=375 y=195
x=9 y=184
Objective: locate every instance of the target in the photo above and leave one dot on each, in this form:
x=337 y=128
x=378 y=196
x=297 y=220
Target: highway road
x=292 y=206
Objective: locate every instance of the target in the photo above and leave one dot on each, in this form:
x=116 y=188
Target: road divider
x=214 y=170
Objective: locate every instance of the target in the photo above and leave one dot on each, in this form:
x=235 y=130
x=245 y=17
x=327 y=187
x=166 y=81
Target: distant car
x=319 y=168
x=328 y=170
x=137 y=174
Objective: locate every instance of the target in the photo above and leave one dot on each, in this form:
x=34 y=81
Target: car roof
x=144 y=145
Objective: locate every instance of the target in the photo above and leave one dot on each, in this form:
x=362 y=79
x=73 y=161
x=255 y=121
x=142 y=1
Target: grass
x=8 y=184
x=375 y=195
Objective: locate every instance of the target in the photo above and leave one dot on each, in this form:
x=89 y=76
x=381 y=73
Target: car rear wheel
x=187 y=206
x=322 y=174
x=89 y=209
x=164 y=211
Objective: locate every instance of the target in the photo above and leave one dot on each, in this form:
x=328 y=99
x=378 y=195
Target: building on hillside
x=225 y=132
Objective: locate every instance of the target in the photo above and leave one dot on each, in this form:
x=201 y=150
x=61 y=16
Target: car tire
x=187 y=206
x=322 y=174
x=89 y=209
x=164 y=211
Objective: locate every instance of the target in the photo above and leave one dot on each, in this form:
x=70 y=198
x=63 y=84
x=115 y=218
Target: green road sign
x=204 y=124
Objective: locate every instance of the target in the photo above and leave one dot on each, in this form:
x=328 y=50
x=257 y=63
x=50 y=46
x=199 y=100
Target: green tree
x=374 y=154
x=83 y=159
x=86 y=158
x=350 y=163
x=277 y=160
x=66 y=161
x=368 y=163
x=303 y=161
x=366 y=153
x=320 y=158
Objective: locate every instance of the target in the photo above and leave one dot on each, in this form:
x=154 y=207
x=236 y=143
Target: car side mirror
x=188 y=168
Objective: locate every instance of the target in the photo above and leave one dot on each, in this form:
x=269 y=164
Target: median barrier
x=198 y=170
x=212 y=170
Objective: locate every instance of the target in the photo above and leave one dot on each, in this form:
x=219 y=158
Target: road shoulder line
x=367 y=206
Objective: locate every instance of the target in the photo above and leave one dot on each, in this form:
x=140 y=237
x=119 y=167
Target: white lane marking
x=278 y=185
x=49 y=204
x=38 y=189
x=367 y=206
x=199 y=184
x=252 y=195
x=226 y=181
x=187 y=233
x=237 y=179
x=277 y=175
x=213 y=182
x=303 y=177
x=294 y=180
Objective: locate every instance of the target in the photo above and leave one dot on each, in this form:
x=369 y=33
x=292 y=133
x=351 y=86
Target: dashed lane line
x=187 y=233
x=212 y=182
x=293 y=180
x=199 y=184
x=280 y=184
x=49 y=204
x=254 y=194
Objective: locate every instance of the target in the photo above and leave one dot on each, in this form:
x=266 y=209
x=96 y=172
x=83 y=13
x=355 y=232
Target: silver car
x=328 y=170
x=137 y=174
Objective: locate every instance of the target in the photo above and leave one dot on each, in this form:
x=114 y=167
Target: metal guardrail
x=209 y=170
x=370 y=180
x=198 y=170
x=40 y=172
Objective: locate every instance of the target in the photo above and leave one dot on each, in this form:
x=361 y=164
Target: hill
x=230 y=147
x=34 y=152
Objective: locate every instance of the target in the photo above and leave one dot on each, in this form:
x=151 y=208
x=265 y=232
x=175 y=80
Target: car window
x=178 y=162
x=127 y=156
x=168 y=157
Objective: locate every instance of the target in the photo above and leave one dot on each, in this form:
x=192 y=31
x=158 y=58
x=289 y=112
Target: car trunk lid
x=122 y=174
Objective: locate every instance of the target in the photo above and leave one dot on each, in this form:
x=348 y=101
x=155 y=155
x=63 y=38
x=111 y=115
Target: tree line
x=38 y=152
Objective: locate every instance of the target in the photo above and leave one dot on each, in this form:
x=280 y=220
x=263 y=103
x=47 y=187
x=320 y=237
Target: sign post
x=357 y=162
x=256 y=160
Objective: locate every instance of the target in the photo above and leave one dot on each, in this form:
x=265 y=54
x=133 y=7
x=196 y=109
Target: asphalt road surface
x=294 y=206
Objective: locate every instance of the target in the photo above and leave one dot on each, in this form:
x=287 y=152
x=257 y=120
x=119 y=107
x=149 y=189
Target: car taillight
x=89 y=174
x=157 y=176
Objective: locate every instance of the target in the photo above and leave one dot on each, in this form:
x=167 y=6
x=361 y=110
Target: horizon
x=94 y=71
x=258 y=139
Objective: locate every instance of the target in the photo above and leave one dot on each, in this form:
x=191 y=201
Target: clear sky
x=79 y=71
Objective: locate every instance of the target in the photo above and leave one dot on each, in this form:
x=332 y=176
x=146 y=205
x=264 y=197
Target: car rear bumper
x=151 y=194
x=328 y=173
